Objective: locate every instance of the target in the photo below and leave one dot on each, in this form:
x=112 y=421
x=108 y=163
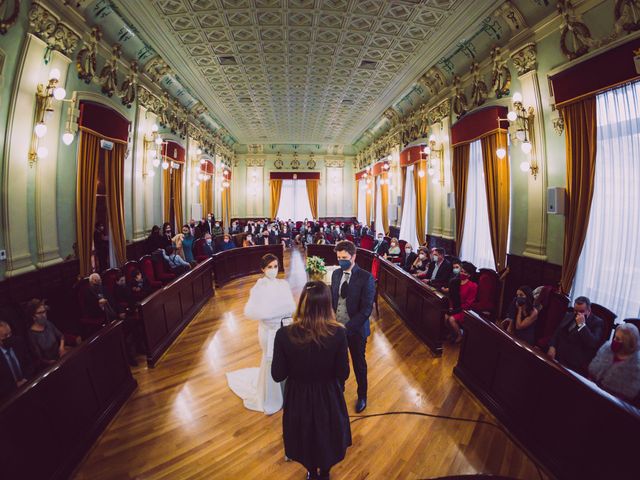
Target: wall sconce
x=520 y=131
x=433 y=151
x=152 y=152
x=45 y=96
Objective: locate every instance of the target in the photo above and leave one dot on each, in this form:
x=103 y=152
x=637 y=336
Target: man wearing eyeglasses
x=353 y=291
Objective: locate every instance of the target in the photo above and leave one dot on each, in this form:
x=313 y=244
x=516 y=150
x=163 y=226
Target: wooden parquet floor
x=183 y=422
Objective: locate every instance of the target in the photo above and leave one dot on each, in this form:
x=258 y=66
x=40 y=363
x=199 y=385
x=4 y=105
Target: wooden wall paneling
x=448 y=244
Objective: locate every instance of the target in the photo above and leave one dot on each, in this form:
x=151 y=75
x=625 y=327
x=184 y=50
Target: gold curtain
x=460 y=174
x=206 y=197
x=403 y=180
x=176 y=178
x=86 y=187
x=312 y=193
x=166 y=198
x=580 y=146
x=226 y=206
x=496 y=181
x=367 y=204
x=114 y=182
x=276 y=191
x=384 y=200
x=420 y=185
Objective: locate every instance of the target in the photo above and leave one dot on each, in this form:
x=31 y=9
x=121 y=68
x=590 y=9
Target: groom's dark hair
x=345 y=246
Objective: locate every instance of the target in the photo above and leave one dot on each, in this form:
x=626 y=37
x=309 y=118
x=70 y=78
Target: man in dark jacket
x=381 y=247
x=440 y=269
x=353 y=292
x=578 y=337
x=15 y=364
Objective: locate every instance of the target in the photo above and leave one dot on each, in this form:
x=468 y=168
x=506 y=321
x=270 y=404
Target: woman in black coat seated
x=311 y=355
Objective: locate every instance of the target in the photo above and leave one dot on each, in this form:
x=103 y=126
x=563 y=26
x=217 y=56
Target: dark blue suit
x=360 y=296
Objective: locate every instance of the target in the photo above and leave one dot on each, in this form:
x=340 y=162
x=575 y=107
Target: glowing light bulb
x=156 y=163
x=42 y=152
x=67 y=138
x=59 y=93
x=432 y=138
x=159 y=141
x=165 y=165
x=427 y=150
x=154 y=127
x=54 y=74
x=198 y=151
x=512 y=116
x=526 y=147
x=524 y=166
x=202 y=161
x=421 y=173
x=40 y=130
x=501 y=153
x=517 y=97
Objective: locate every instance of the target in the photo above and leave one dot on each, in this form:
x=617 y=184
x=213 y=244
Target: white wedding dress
x=269 y=302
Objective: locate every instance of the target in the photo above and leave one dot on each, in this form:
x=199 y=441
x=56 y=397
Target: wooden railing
x=166 y=312
x=49 y=424
x=575 y=429
x=238 y=262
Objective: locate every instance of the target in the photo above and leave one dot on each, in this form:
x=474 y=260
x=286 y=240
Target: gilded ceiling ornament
x=149 y=100
x=278 y=163
x=479 y=89
x=47 y=27
x=440 y=111
x=460 y=105
x=311 y=163
x=255 y=162
x=86 y=60
x=525 y=59
x=392 y=115
x=500 y=74
x=627 y=15
x=295 y=163
x=157 y=68
x=433 y=80
x=128 y=89
x=334 y=163
x=10 y=19
x=575 y=36
x=512 y=16
x=109 y=73
x=164 y=113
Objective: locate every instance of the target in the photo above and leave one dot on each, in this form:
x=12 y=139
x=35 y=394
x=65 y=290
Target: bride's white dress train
x=269 y=302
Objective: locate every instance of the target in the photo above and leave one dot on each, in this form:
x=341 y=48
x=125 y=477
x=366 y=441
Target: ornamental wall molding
x=255 y=161
x=47 y=26
x=525 y=59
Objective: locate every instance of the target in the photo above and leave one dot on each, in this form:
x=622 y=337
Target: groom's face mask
x=344 y=260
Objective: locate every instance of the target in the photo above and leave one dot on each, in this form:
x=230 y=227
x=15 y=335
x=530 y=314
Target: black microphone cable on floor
x=356 y=418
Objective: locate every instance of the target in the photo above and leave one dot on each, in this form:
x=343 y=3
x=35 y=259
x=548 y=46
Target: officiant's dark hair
x=345 y=246
x=314 y=319
x=266 y=260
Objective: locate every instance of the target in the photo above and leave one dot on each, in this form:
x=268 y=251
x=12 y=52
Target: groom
x=353 y=291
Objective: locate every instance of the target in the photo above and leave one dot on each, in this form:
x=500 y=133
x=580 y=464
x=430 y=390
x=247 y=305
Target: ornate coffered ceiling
x=300 y=71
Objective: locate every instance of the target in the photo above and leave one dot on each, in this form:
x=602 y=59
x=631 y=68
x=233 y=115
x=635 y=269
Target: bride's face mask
x=271 y=271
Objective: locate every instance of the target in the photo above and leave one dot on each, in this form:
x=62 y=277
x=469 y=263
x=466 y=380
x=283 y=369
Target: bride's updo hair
x=314 y=319
x=266 y=260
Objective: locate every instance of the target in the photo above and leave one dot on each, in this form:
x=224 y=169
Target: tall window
x=408 y=222
x=609 y=267
x=362 y=201
x=476 y=240
x=294 y=201
x=378 y=214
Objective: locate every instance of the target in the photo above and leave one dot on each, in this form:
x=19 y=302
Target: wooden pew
x=574 y=428
x=166 y=312
x=50 y=423
x=421 y=307
x=243 y=261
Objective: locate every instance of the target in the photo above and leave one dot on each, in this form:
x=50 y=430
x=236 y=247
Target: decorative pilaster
x=47 y=27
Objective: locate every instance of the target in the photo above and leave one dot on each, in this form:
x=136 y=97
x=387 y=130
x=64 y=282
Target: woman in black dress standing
x=311 y=354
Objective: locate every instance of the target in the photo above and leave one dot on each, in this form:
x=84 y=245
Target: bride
x=269 y=302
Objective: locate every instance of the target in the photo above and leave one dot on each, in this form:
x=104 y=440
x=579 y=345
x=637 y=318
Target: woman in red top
x=462 y=294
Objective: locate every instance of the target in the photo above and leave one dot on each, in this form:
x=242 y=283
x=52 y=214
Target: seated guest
x=227 y=243
x=616 y=366
x=248 y=241
x=420 y=264
x=462 y=294
x=409 y=257
x=285 y=236
x=577 y=338
x=45 y=340
x=394 y=250
x=176 y=264
x=522 y=315
x=217 y=230
x=167 y=237
x=440 y=269
x=319 y=239
x=381 y=247
x=184 y=244
x=139 y=285
x=15 y=363
x=154 y=240
x=273 y=235
x=235 y=228
x=98 y=303
x=209 y=248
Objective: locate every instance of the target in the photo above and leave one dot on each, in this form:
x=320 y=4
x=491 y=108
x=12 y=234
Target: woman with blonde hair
x=311 y=355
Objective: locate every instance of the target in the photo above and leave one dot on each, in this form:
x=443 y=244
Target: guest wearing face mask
x=409 y=257
x=209 y=247
x=420 y=264
x=235 y=228
x=45 y=340
x=270 y=300
x=167 y=237
x=217 y=230
x=616 y=366
x=285 y=236
x=248 y=241
x=440 y=269
x=209 y=224
x=98 y=303
x=381 y=247
x=273 y=235
x=227 y=243
x=15 y=363
x=155 y=239
x=184 y=244
x=522 y=315
x=139 y=286
x=462 y=299
x=394 y=250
